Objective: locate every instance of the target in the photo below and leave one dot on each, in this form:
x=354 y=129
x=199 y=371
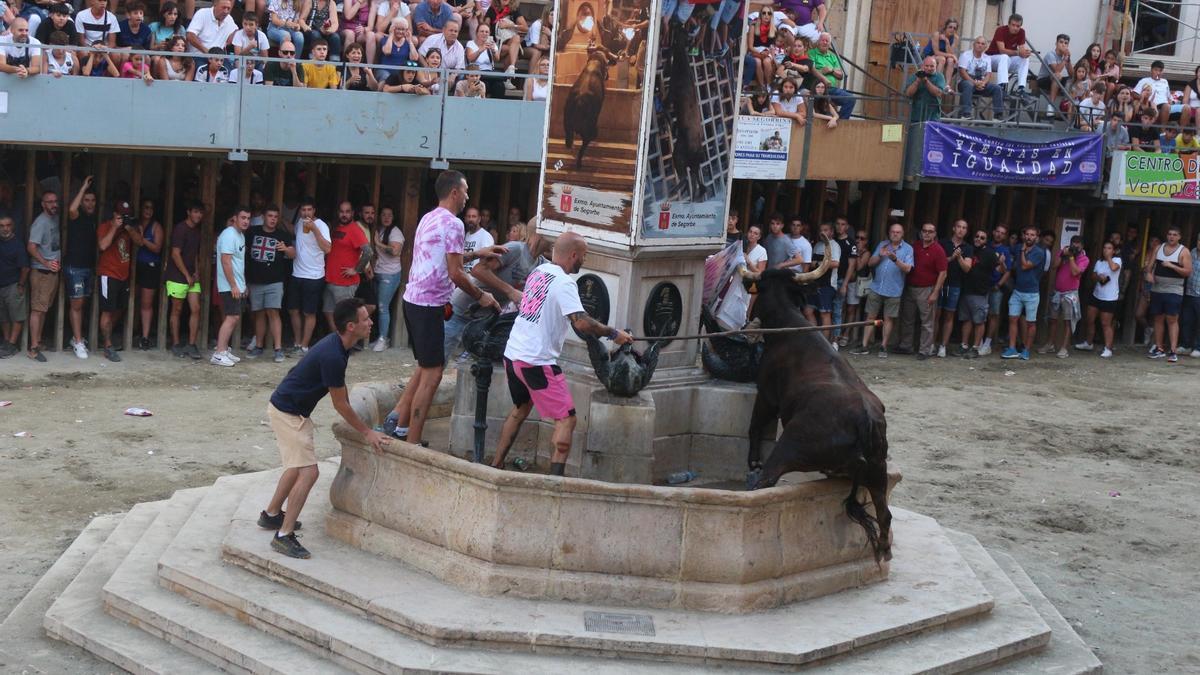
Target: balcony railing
x=238 y=118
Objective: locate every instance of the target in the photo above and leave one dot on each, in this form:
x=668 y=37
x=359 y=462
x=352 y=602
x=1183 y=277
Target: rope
x=760 y=331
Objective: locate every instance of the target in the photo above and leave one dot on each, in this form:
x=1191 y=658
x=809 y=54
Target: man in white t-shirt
x=446 y=42
x=231 y=282
x=977 y=79
x=97 y=24
x=550 y=302
x=308 y=274
x=475 y=238
x=211 y=27
x=1155 y=92
x=250 y=40
x=20 y=52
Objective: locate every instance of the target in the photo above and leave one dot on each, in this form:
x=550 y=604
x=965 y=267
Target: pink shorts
x=545 y=386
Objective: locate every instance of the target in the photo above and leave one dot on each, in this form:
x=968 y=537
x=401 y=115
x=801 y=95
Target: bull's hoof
x=752 y=479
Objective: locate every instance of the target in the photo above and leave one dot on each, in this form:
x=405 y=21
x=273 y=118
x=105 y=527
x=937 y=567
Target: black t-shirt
x=187 y=240
x=954 y=273
x=979 y=280
x=322 y=368
x=362 y=80
x=731 y=237
x=1144 y=135
x=849 y=250
x=81 y=242
x=265 y=264
x=46 y=27
x=279 y=76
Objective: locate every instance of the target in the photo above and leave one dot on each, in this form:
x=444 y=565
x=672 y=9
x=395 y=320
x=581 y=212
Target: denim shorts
x=825 y=297
x=995 y=300
x=79 y=282
x=1027 y=302
x=948 y=300
x=1167 y=304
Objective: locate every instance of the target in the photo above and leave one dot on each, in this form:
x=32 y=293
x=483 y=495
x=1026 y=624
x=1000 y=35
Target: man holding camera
x=1065 y=310
x=116 y=252
x=925 y=88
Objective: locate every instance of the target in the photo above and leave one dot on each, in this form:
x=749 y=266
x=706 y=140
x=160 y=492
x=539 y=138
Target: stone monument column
x=638 y=161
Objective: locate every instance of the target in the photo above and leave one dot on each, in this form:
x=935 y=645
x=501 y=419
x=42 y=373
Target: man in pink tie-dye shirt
x=437 y=267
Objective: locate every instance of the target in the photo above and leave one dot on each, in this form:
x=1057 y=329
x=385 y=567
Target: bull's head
x=751 y=279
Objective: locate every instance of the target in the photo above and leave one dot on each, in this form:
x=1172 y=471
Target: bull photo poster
x=590 y=164
x=689 y=152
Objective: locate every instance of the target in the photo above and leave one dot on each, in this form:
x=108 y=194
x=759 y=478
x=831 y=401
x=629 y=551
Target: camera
x=922 y=74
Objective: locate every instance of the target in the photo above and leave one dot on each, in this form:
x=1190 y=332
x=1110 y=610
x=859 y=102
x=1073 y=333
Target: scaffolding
x=1168 y=30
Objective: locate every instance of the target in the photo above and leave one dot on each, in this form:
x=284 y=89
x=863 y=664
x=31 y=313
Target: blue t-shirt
x=399 y=56
x=13 y=259
x=139 y=40
x=889 y=280
x=1004 y=253
x=231 y=242
x=422 y=14
x=322 y=368
x=1029 y=281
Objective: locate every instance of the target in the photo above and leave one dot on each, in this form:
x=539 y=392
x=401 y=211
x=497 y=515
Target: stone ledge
x=801 y=633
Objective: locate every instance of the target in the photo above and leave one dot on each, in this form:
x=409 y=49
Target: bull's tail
x=855 y=510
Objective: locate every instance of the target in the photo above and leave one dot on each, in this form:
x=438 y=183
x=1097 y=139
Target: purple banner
x=968 y=155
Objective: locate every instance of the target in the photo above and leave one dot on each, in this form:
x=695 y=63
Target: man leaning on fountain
x=549 y=303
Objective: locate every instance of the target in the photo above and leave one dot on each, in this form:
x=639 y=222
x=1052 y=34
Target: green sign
x=1154 y=177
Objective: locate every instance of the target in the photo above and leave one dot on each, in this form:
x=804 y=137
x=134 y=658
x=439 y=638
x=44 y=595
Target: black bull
x=832 y=422
x=581 y=114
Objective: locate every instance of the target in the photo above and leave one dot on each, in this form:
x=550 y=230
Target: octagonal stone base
x=532 y=536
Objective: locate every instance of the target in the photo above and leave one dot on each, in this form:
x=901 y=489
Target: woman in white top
x=431 y=79
x=175 y=66
x=537 y=40
x=389 y=243
x=789 y=103
x=537 y=88
x=483 y=52
x=1191 y=100
x=59 y=61
x=1106 y=273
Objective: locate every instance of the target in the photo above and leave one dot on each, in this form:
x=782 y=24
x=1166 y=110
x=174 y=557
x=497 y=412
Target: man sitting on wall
x=1009 y=52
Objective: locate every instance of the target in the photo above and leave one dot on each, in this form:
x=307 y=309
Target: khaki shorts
x=43 y=289
x=876 y=302
x=294 y=435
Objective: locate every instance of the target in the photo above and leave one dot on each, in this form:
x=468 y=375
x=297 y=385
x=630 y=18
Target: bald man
x=550 y=302
x=20 y=53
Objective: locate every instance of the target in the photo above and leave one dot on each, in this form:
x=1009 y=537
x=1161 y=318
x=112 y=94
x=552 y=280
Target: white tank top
x=540 y=89
x=171 y=74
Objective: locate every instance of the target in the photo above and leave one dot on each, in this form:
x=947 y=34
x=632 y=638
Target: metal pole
x=482 y=370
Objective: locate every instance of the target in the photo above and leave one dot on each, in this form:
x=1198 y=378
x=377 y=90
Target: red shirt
x=928 y=262
x=1006 y=38
x=347 y=241
x=114 y=260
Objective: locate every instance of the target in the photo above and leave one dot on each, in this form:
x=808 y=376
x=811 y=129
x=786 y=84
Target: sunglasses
x=286 y=53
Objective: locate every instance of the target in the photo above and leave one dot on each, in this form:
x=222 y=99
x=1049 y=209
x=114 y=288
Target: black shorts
x=149 y=275
x=230 y=305
x=366 y=291
x=114 y=294
x=305 y=294
x=426 y=334
x=1105 y=306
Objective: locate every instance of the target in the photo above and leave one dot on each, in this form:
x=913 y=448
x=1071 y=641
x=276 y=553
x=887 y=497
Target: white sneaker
x=1046 y=349
x=1063 y=353
x=380 y=345
x=834 y=344
x=941 y=353
x=508 y=84
x=984 y=350
x=1106 y=354
x=221 y=359
x=80 y=348
x=235 y=359
x=1196 y=353
x=1084 y=346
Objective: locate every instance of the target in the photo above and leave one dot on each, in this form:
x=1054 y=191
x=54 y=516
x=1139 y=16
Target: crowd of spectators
x=989 y=288
x=266 y=261
x=363 y=45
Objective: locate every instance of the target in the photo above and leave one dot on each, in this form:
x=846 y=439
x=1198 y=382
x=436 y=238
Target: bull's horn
x=805 y=277
x=745 y=273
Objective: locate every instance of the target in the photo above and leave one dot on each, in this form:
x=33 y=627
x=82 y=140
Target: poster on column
x=760 y=151
x=1155 y=177
x=688 y=163
x=1057 y=160
x=589 y=168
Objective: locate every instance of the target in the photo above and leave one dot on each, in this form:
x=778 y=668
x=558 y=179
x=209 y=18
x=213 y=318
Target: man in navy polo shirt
x=1028 y=267
x=321 y=371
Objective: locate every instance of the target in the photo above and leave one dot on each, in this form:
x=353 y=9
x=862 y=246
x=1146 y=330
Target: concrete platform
x=161 y=569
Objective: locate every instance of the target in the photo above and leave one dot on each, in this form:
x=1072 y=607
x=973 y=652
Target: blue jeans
x=386 y=286
x=1189 y=322
x=967 y=94
x=277 y=35
x=455 y=326
x=844 y=100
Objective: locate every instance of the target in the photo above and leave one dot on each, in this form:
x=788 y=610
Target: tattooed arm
x=589 y=326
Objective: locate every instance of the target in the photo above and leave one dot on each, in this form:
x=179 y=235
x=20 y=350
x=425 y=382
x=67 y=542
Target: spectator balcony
x=237 y=118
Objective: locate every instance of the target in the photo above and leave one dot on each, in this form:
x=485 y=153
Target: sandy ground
x=1085 y=470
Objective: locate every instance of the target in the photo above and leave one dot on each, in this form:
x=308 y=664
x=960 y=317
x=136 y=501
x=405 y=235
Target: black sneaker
x=290 y=546
x=111 y=355
x=193 y=352
x=178 y=350
x=272 y=522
